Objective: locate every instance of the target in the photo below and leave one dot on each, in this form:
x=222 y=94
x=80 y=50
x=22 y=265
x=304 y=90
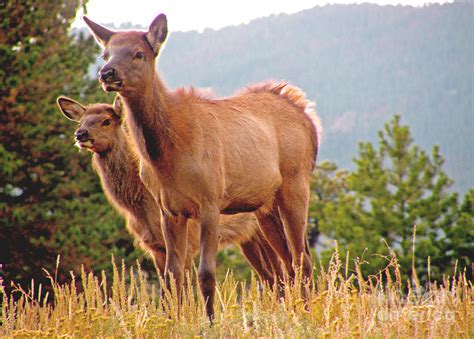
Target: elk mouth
x=86 y=143
x=112 y=86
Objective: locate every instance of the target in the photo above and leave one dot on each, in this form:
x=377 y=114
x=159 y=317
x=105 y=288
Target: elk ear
x=157 y=32
x=101 y=34
x=118 y=106
x=71 y=109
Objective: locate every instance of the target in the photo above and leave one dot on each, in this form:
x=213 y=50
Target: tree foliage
x=328 y=187
x=395 y=187
x=50 y=200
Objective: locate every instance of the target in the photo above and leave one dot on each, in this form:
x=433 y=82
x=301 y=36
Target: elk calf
x=101 y=132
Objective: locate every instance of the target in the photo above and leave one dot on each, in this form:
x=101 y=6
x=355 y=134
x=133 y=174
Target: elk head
x=129 y=55
x=99 y=124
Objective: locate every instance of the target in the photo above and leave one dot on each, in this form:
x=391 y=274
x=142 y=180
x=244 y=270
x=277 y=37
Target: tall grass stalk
x=342 y=304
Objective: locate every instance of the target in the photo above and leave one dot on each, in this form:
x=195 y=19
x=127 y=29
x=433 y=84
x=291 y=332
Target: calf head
x=99 y=124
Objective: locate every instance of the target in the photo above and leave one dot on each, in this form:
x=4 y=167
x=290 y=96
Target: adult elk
x=201 y=157
x=101 y=132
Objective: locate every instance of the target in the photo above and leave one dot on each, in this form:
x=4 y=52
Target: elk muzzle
x=109 y=79
x=107 y=75
x=82 y=134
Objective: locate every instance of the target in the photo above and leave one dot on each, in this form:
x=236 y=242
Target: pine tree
x=50 y=199
x=395 y=187
x=328 y=188
x=458 y=239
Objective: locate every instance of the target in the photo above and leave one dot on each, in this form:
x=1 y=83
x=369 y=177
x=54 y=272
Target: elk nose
x=82 y=134
x=106 y=75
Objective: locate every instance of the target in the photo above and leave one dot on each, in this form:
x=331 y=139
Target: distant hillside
x=360 y=63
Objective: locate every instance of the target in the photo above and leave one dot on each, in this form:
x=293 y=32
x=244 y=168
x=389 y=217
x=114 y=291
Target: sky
x=186 y=15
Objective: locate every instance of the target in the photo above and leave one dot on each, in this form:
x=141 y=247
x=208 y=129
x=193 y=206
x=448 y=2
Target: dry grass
x=343 y=305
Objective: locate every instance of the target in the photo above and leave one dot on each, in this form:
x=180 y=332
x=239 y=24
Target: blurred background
x=393 y=85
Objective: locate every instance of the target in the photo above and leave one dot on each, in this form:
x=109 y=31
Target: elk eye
x=139 y=55
x=106 y=122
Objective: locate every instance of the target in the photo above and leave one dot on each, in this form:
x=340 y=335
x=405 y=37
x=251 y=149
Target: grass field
x=343 y=304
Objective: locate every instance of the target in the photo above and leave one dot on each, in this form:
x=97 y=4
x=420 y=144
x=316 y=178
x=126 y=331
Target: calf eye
x=106 y=122
x=139 y=55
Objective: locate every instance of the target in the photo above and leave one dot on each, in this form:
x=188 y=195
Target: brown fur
x=117 y=166
x=201 y=157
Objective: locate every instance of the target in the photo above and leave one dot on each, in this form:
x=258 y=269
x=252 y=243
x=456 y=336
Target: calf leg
x=292 y=200
x=252 y=251
x=271 y=258
x=273 y=229
x=159 y=258
x=149 y=241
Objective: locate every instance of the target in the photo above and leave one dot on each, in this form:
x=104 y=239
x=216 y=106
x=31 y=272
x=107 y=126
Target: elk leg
x=207 y=262
x=148 y=241
x=159 y=258
x=252 y=251
x=272 y=228
x=272 y=258
x=175 y=233
x=292 y=200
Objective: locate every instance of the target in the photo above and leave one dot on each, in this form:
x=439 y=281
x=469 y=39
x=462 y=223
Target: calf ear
x=71 y=109
x=157 y=32
x=118 y=106
x=101 y=34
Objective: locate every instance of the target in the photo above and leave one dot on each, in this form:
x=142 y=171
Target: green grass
x=343 y=304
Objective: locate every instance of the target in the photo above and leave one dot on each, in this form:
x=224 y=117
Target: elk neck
x=118 y=172
x=148 y=117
